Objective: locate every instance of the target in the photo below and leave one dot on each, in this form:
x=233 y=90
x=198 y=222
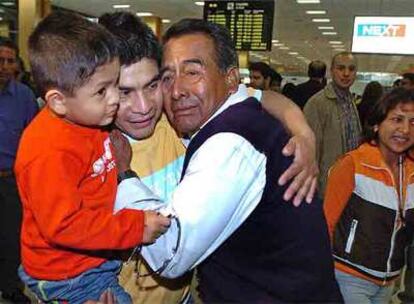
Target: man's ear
x=56 y=101
x=267 y=81
x=232 y=79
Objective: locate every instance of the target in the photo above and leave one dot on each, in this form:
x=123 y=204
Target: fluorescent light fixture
x=321 y=20
x=308 y=1
x=329 y=33
x=284 y=48
x=293 y=53
x=166 y=21
x=278 y=44
x=121 y=6
x=335 y=42
x=144 y=14
x=325 y=27
x=7 y=3
x=199 y=3
x=316 y=12
x=275 y=41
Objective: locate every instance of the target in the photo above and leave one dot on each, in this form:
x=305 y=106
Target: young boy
x=66 y=170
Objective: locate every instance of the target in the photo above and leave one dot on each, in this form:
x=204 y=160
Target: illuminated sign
x=384 y=30
x=383 y=35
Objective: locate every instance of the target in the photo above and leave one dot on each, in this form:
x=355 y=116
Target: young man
x=333 y=116
x=158 y=153
x=224 y=180
x=66 y=171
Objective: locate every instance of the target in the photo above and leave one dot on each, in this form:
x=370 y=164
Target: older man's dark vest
x=281 y=253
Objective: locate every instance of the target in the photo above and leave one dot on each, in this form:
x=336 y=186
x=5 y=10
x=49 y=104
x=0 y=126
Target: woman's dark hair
x=381 y=109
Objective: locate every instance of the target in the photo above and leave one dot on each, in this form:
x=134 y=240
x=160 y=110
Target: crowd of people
x=151 y=175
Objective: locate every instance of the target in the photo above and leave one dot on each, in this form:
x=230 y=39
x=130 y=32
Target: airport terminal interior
x=289 y=37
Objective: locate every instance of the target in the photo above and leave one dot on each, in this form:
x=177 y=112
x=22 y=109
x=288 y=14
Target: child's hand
x=155 y=225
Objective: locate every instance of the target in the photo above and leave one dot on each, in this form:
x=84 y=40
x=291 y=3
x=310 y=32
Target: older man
x=230 y=214
x=333 y=116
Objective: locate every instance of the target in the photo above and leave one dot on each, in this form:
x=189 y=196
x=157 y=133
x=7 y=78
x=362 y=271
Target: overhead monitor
x=250 y=22
x=383 y=35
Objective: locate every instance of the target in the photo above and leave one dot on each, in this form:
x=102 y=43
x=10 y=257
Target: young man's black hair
x=135 y=39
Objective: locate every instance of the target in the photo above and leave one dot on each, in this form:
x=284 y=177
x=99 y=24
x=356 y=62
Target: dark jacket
x=281 y=253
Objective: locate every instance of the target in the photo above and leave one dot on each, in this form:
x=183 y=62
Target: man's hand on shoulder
x=304 y=169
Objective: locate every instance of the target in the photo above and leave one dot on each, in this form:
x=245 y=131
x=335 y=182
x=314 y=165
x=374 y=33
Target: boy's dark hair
x=135 y=39
x=7 y=42
x=263 y=68
x=381 y=108
x=225 y=51
x=65 y=49
x=316 y=69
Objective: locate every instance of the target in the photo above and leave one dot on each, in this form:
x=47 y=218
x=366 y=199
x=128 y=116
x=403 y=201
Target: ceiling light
x=325 y=27
x=307 y=1
x=166 y=20
x=329 y=33
x=284 y=48
x=293 y=53
x=144 y=14
x=1 y=18
x=335 y=42
x=321 y=20
x=8 y=3
x=278 y=44
x=316 y=12
x=121 y=6
x=199 y=3
x=275 y=41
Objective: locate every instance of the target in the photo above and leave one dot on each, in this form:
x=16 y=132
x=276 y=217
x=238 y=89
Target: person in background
x=275 y=81
x=396 y=83
x=333 y=116
x=407 y=80
x=369 y=203
x=260 y=75
x=289 y=90
x=17 y=109
x=316 y=82
x=372 y=93
x=66 y=170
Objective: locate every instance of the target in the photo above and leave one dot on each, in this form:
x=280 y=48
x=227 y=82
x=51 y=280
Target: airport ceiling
x=293 y=27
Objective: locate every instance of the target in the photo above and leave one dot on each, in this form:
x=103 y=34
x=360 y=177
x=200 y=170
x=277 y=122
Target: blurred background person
x=372 y=93
x=289 y=90
x=408 y=81
x=316 y=82
x=17 y=108
x=275 y=81
x=260 y=75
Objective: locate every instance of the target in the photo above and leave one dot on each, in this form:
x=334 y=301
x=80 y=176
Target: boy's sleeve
x=50 y=189
x=341 y=184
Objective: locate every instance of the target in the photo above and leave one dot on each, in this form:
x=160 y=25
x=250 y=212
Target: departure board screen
x=250 y=22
